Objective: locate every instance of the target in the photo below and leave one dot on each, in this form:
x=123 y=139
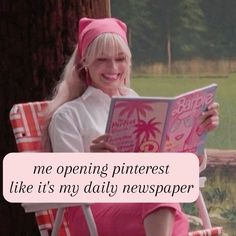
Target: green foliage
x=190 y=209
x=230 y=214
x=189 y=29
x=216 y=195
x=194 y=28
x=183 y=20
x=136 y=14
x=221 y=27
x=219 y=195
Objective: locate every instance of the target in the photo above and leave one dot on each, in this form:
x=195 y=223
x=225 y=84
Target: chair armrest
x=33 y=207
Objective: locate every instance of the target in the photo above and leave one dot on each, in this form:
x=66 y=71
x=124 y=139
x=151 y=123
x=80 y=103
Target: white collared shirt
x=76 y=123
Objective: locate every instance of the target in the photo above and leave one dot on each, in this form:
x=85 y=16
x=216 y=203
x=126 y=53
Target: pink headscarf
x=90 y=28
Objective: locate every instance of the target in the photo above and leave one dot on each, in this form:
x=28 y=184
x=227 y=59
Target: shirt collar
x=91 y=91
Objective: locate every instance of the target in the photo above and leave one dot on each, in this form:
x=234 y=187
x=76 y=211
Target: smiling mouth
x=111 y=77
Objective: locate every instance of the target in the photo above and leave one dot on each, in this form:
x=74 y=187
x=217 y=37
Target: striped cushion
x=208 y=232
x=27 y=122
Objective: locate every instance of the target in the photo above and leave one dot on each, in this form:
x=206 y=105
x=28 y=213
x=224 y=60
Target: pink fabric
x=123 y=219
x=90 y=28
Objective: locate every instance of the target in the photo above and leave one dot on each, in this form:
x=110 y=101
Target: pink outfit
x=123 y=219
x=73 y=127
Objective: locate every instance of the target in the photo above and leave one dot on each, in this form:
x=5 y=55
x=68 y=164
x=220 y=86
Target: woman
x=98 y=69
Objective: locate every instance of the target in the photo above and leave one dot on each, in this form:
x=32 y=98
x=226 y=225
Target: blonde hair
x=73 y=79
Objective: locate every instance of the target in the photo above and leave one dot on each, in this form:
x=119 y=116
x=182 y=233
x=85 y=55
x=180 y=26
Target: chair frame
x=27 y=120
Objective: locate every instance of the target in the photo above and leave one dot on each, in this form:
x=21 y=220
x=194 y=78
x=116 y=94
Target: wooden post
x=37 y=37
x=95 y=8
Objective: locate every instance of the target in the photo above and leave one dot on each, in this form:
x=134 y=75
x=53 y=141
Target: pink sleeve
x=149 y=208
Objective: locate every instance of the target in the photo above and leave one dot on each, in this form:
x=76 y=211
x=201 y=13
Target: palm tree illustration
x=129 y=107
x=146 y=130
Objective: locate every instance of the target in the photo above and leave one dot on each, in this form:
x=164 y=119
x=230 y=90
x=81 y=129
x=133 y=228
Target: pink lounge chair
x=27 y=120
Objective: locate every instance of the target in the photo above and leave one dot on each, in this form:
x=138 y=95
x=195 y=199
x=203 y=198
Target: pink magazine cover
x=159 y=124
x=183 y=130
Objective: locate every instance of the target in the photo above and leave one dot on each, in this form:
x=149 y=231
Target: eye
x=121 y=59
x=188 y=121
x=101 y=59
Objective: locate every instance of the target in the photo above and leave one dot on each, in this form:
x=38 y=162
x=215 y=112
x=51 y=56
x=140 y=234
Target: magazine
x=160 y=124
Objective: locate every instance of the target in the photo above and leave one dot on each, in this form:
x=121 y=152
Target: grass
x=224 y=137
x=219 y=194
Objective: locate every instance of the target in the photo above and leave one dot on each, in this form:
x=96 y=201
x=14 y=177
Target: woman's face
x=108 y=72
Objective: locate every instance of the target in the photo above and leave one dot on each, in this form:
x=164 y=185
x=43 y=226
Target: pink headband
x=90 y=28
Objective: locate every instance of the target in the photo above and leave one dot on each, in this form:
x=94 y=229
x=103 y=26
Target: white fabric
x=76 y=123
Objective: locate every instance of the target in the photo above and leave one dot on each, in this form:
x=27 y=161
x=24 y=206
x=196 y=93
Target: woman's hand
x=100 y=144
x=210 y=117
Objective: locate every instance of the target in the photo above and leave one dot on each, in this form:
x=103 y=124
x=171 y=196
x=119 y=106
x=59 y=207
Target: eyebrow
x=121 y=53
x=108 y=55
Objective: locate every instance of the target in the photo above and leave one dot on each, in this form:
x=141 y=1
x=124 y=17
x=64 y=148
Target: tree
x=37 y=37
x=180 y=27
x=221 y=28
x=136 y=15
x=162 y=30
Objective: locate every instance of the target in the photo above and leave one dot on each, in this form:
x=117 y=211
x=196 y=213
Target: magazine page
x=136 y=124
x=184 y=133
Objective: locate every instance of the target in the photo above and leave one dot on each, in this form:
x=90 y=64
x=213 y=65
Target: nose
x=112 y=64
